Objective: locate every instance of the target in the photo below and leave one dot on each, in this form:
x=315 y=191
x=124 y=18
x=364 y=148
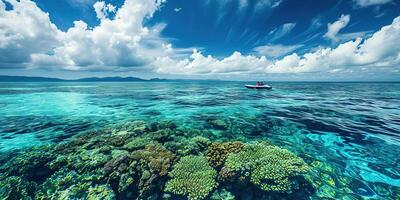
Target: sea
x=348 y=131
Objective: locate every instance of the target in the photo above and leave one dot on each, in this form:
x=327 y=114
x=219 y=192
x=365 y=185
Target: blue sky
x=227 y=39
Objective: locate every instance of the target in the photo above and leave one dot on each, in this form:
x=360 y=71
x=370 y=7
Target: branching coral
x=103 y=192
x=217 y=153
x=66 y=184
x=130 y=128
x=86 y=160
x=270 y=168
x=118 y=173
x=154 y=126
x=155 y=158
x=118 y=162
x=16 y=188
x=151 y=165
x=136 y=143
x=193 y=177
x=162 y=135
x=32 y=165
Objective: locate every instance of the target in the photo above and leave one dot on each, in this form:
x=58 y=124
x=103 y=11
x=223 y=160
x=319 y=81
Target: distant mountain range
x=91 y=79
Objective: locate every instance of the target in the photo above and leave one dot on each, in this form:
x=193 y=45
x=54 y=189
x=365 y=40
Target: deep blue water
x=354 y=127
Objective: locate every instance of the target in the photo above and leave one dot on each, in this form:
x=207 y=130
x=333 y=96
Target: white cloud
x=365 y=3
x=274 y=51
x=102 y=9
x=335 y=27
x=242 y=4
x=379 y=50
x=81 y=3
x=28 y=38
x=261 y=4
x=23 y=31
x=177 y=9
x=350 y=36
x=281 y=31
x=200 y=64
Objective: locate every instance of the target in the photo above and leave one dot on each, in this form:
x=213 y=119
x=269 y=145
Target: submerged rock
x=218 y=124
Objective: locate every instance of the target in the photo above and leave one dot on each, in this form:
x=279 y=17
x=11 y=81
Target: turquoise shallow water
x=354 y=127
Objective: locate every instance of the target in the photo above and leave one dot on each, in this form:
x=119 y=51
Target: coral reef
x=15 y=188
x=193 y=177
x=155 y=158
x=103 y=192
x=217 y=152
x=269 y=167
x=218 y=124
x=32 y=165
x=136 y=143
x=139 y=160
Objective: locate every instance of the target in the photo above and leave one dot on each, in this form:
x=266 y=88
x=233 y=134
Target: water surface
x=354 y=127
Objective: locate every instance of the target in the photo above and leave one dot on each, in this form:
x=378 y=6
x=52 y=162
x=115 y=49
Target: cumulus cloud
x=102 y=9
x=365 y=3
x=23 y=31
x=200 y=64
x=335 y=27
x=28 y=38
x=379 y=50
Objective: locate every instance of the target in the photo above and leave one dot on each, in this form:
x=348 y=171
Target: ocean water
x=353 y=128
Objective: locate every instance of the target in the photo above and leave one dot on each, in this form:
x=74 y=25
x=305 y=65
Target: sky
x=277 y=40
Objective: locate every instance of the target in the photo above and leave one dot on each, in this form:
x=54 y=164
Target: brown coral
x=156 y=158
x=217 y=152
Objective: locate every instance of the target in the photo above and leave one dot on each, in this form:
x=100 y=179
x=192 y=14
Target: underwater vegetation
x=159 y=160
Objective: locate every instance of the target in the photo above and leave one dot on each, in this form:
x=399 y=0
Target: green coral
x=16 y=188
x=193 y=177
x=103 y=192
x=270 y=168
x=67 y=185
x=32 y=164
x=136 y=143
x=155 y=158
x=217 y=152
x=86 y=160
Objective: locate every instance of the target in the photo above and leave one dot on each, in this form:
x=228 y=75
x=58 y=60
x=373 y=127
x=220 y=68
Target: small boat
x=258 y=87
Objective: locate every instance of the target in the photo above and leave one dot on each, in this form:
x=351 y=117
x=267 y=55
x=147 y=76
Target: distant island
x=90 y=79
